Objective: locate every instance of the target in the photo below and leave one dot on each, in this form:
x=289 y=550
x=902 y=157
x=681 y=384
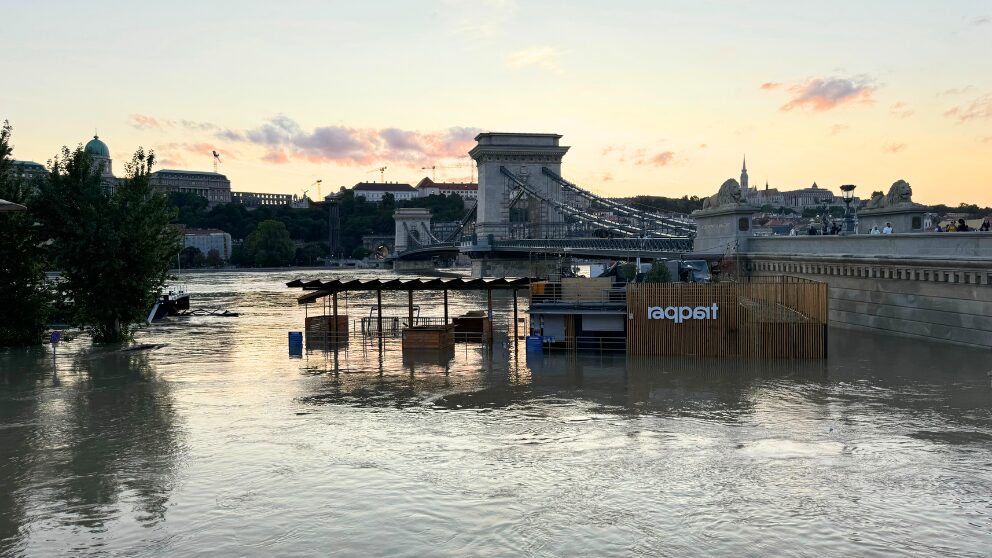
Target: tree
x=113 y=242
x=627 y=272
x=25 y=295
x=269 y=245
x=311 y=253
x=658 y=273
x=191 y=256
x=214 y=258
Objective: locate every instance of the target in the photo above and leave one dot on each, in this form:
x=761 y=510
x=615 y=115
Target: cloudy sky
x=655 y=97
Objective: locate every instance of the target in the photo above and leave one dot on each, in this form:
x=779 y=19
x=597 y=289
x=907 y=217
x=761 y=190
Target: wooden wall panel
x=782 y=317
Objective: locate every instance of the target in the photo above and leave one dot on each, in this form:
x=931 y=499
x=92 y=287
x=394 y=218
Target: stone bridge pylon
x=524 y=155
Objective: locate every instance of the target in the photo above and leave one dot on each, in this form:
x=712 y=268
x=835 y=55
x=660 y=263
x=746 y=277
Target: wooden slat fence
x=777 y=317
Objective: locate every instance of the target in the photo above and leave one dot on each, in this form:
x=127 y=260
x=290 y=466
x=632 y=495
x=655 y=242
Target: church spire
x=744 y=175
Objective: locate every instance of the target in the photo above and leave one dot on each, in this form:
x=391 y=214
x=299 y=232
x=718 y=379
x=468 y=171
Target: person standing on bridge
x=874 y=230
x=986 y=225
x=962 y=226
x=887 y=229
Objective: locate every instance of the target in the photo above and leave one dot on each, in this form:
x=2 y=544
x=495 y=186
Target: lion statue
x=900 y=193
x=728 y=194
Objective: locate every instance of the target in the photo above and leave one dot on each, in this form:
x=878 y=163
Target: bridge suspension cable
x=571 y=210
x=682 y=226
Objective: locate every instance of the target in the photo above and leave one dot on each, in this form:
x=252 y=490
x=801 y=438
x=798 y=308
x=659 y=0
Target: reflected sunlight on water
x=221 y=443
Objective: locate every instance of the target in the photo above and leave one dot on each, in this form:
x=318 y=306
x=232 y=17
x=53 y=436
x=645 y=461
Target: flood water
x=220 y=444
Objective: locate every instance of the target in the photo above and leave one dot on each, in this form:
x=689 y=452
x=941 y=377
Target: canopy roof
x=325 y=288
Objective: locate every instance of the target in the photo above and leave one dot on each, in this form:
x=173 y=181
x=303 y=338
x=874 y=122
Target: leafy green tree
x=658 y=273
x=214 y=258
x=269 y=245
x=25 y=297
x=311 y=253
x=191 y=256
x=627 y=272
x=113 y=242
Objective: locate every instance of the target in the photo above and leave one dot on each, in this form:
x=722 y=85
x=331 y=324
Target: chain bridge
x=526 y=210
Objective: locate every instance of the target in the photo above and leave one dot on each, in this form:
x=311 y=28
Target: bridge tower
x=523 y=155
x=411 y=221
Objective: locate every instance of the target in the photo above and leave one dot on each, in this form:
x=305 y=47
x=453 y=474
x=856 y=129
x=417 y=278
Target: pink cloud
x=838 y=128
x=144 y=122
x=901 y=110
x=355 y=146
x=979 y=108
x=770 y=85
x=607 y=177
x=276 y=157
x=820 y=95
x=659 y=160
x=147 y=122
x=893 y=147
x=985 y=139
x=173 y=154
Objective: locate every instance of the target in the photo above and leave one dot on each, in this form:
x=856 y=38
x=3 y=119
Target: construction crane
x=317 y=184
x=216 y=160
x=382 y=173
x=433 y=168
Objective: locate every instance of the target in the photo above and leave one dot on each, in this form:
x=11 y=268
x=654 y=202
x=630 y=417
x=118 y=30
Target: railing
x=552 y=293
x=600 y=343
x=392 y=325
x=612 y=245
x=675 y=225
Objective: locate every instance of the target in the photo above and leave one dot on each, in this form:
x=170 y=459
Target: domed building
x=100 y=153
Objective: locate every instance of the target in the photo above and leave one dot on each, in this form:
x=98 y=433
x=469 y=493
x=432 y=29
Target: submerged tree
x=25 y=299
x=112 y=241
x=269 y=246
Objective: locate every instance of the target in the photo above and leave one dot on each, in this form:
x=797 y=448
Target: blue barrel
x=295 y=342
x=534 y=343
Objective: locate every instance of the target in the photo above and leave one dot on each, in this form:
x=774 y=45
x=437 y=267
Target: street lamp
x=848 y=190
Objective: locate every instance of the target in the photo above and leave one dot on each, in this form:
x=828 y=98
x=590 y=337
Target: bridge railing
x=617 y=245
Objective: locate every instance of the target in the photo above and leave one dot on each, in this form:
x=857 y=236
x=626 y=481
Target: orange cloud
x=820 y=95
x=893 y=147
x=838 y=128
x=770 y=85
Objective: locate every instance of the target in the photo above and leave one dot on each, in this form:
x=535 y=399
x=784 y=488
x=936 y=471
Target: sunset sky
x=655 y=97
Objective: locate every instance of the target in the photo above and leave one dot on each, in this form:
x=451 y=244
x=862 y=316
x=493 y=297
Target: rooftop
x=464 y=186
x=178 y=171
x=382 y=187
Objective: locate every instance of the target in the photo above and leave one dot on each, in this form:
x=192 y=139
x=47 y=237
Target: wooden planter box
x=323 y=332
x=429 y=337
x=473 y=325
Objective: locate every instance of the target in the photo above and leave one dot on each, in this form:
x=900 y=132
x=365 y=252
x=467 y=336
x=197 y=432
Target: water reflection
x=103 y=443
x=221 y=444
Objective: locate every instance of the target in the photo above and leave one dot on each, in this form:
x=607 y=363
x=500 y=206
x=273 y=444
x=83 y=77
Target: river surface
x=221 y=444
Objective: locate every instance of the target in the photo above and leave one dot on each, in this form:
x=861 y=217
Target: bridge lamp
x=848 y=190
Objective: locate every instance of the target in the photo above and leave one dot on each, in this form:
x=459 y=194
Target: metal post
x=515 y=320
x=409 y=295
x=378 y=299
x=334 y=313
x=445 y=306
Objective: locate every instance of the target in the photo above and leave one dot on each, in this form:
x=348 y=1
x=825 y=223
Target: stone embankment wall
x=934 y=286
